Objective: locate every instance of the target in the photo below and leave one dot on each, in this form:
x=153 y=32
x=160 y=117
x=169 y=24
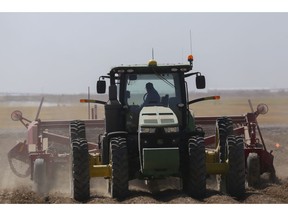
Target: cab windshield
x=166 y=85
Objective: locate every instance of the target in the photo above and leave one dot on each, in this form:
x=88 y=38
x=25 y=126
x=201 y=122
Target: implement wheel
x=120 y=174
x=39 y=177
x=253 y=170
x=80 y=170
x=197 y=168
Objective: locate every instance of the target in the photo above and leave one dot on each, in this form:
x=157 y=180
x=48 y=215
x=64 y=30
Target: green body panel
x=160 y=162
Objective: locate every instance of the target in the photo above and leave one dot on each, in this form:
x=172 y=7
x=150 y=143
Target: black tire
x=184 y=166
x=235 y=178
x=39 y=177
x=77 y=130
x=224 y=128
x=197 y=168
x=253 y=170
x=120 y=172
x=80 y=170
x=105 y=150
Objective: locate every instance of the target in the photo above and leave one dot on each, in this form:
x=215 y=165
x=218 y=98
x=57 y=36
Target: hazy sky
x=67 y=52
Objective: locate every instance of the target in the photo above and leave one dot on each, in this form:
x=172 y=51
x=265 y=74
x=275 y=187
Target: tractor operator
x=152 y=97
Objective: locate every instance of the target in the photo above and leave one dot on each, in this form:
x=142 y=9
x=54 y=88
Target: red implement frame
x=40 y=134
x=246 y=126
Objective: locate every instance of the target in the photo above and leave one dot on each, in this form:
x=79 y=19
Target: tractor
x=143 y=140
x=155 y=140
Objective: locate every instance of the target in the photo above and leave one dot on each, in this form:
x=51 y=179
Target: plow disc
x=18 y=158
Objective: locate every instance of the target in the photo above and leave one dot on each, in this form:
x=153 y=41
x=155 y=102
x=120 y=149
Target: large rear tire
x=104 y=149
x=120 y=172
x=224 y=128
x=77 y=130
x=197 y=168
x=80 y=170
x=235 y=179
x=253 y=170
x=184 y=166
x=39 y=177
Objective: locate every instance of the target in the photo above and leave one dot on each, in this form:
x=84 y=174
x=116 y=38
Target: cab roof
x=152 y=69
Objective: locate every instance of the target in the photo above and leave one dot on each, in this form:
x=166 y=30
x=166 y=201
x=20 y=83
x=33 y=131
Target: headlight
x=148 y=130
x=171 y=129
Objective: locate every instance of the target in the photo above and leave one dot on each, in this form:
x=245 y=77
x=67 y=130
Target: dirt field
x=274 y=127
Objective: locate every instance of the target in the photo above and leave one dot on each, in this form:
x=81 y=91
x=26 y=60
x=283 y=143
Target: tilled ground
x=18 y=190
x=266 y=194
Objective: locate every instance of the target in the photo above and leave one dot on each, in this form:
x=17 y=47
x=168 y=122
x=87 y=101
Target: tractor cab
x=129 y=86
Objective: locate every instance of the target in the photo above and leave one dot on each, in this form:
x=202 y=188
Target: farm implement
x=46 y=148
x=257 y=159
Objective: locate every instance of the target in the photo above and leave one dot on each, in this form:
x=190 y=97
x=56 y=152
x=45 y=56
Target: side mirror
x=200 y=82
x=101 y=86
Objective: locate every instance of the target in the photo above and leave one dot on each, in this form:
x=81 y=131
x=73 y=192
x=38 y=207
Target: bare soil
x=19 y=190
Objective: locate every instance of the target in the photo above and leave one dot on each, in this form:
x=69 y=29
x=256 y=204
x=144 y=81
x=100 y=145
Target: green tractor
x=147 y=137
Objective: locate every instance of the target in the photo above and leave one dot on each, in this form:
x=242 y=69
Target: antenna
x=190 y=57
x=190 y=42
x=152 y=54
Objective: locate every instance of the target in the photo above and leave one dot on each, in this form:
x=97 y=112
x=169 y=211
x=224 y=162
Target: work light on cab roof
x=152 y=63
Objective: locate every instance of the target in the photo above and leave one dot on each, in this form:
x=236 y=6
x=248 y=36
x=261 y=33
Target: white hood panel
x=157 y=116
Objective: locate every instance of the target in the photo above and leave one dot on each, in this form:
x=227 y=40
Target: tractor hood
x=157 y=116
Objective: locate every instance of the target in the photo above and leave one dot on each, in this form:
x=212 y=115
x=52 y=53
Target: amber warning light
x=190 y=58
